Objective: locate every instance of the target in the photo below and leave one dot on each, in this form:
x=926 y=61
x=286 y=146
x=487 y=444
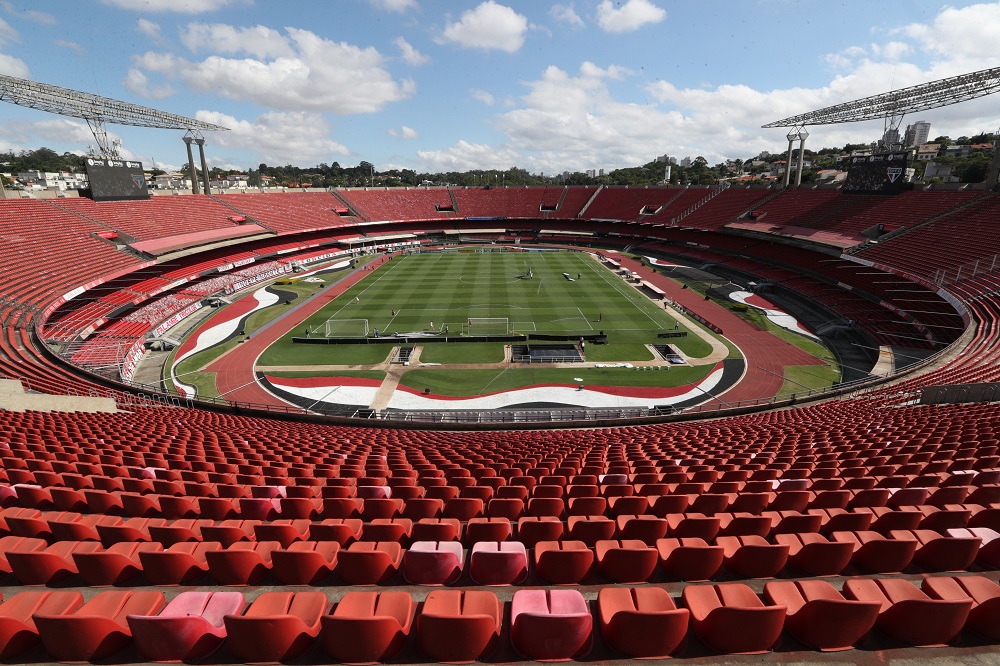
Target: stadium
x=502 y=424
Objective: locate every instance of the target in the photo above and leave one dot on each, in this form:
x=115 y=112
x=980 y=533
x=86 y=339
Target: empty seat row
x=32 y=561
x=454 y=625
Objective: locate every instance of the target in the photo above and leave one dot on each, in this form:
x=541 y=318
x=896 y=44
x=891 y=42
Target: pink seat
x=985 y=595
x=277 y=626
x=550 y=624
x=368 y=626
x=98 y=628
x=731 y=618
x=819 y=616
x=563 y=562
x=456 y=626
x=689 y=559
x=641 y=622
x=907 y=614
x=304 y=562
x=433 y=562
x=189 y=628
x=498 y=562
x=18 y=633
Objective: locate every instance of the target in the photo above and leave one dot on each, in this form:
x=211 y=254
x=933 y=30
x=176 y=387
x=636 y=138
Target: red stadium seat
x=18 y=633
x=908 y=615
x=731 y=618
x=368 y=626
x=641 y=622
x=985 y=595
x=457 y=626
x=180 y=563
x=369 y=562
x=563 y=562
x=304 y=562
x=498 y=562
x=98 y=628
x=277 y=626
x=819 y=616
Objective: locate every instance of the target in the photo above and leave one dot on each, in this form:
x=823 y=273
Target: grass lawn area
x=475 y=382
x=569 y=293
x=800 y=378
x=462 y=352
x=299 y=354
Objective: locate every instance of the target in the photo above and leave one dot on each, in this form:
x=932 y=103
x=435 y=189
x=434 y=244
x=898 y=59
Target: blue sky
x=437 y=85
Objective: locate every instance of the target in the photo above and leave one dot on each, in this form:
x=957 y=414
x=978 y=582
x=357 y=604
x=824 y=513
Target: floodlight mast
x=94 y=109
x=892 y=106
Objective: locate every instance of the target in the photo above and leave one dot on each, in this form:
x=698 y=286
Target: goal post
x=347 y=328
x=489 y=326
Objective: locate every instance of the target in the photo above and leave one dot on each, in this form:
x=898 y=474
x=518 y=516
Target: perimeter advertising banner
x=116 y=180
x=884 y=173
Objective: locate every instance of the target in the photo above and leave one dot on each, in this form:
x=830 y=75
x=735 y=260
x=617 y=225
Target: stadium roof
x=896 y=103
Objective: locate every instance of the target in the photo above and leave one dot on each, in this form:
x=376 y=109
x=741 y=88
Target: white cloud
x=320 y=75
x=73 y=46
x=51 y=131
x=394 y=5
x=150 y=28
x=7 y=33
x=295 y=137
x=410 y=55
x=258 y=41
x=176 y=6
x=969 y=32
x=482 y=96
x=566 y=14
x=464 y=156
x=138 y=83
x=404 y=132
x=15 y=67
x=893 y=50
x=632 y=15
x=489 y=26
x=29 y=14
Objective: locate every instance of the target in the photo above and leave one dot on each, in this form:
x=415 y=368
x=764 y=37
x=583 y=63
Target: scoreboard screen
x=116 y=180
x=884 y=173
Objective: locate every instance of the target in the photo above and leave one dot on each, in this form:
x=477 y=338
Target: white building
x=917 y=133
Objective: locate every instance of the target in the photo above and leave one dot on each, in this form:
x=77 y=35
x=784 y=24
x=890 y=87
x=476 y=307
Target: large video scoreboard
x=884 y=173
x=116 y=180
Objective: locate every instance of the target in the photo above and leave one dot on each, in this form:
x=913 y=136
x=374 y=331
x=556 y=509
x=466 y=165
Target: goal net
x=489 y=326
x=346 y=328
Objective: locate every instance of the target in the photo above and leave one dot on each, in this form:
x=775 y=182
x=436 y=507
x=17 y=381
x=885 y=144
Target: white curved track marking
x=571 y=397
x=213 y=335
x=778 y=317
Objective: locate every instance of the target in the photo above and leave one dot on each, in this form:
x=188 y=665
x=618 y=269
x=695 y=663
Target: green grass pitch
x=409 y=292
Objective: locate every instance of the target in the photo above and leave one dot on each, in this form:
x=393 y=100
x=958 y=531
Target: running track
x=766 y=355
x=235 y=377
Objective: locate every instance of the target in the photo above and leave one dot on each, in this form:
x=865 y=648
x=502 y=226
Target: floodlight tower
x=796 y=133
x=890 y=107
x=98 y=111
